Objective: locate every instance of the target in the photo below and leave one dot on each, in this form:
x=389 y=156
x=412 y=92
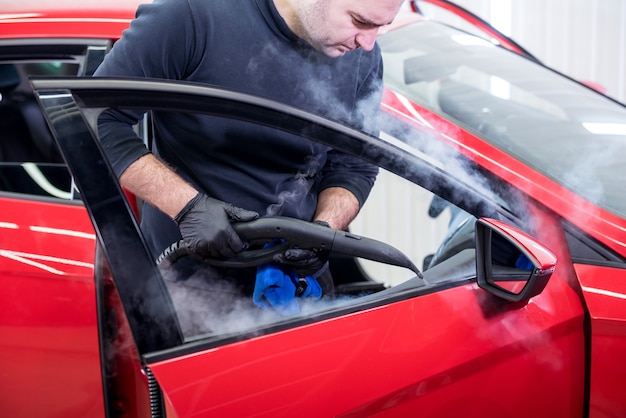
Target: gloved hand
x=305 y=262
x=204 y=224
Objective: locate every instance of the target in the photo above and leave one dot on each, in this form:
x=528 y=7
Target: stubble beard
x=311 y=25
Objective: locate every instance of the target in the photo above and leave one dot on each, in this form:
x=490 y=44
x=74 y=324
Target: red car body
x=29 y=20
x=50 y=347
x=450 y=352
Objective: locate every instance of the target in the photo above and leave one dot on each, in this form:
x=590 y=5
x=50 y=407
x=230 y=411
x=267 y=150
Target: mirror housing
x=510 y=263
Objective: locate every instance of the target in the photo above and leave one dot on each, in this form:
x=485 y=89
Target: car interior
x=25 y=135
x=30 y=162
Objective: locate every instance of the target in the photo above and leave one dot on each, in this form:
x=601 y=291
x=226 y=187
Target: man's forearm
x=337 y=206
x=154 y=182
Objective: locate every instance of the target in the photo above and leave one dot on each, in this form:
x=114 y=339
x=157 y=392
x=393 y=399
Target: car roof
x=66 y=18
x=68 y=8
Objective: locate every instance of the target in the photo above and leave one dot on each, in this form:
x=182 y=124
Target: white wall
x=584 y=39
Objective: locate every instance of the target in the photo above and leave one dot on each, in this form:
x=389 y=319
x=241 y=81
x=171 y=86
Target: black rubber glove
x=204 y=224
x=305 y=262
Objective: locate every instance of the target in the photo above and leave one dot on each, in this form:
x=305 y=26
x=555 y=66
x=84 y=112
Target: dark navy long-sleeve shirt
x=242 y=45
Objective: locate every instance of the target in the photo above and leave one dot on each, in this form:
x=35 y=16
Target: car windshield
x=560 y=128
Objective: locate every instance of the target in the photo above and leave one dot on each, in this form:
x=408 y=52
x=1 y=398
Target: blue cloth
x=277 y=287
x=277 y=290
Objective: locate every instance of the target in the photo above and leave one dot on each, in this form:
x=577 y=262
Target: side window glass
x=217 y=301
x=437 y=235
x=30 y=162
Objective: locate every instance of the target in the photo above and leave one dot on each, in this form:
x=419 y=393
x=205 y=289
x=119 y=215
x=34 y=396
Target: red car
x=500 y=178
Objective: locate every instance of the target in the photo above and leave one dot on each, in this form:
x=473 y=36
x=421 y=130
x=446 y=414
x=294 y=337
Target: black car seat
x=24 y=134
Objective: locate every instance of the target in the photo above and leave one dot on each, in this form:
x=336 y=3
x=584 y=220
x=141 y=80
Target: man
x=204 y=172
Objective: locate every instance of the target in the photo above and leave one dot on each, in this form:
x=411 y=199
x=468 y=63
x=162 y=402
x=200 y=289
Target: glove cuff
x=315 y=274
x=187 y=208
x=323 y=223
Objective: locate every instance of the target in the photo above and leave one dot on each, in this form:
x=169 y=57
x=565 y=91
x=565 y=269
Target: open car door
x=461 y=339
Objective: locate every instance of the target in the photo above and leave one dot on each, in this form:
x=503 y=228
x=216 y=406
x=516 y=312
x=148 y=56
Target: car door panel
x=431 y=348
x=605 y=292
x=49 y=348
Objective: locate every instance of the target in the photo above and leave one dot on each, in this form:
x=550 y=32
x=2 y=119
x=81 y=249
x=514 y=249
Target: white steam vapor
x=206 y=306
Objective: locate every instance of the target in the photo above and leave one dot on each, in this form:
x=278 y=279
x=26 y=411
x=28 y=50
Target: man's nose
x=366 y=38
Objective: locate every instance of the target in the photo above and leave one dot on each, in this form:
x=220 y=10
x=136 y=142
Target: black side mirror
x=509 y=263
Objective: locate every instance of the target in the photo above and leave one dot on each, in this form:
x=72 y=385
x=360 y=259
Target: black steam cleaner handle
x=296 y=233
